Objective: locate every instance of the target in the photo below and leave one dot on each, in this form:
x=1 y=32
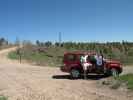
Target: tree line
x=123 y=46
x=3 y=41
x=122 y=51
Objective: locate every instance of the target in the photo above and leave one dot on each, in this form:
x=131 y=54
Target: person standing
x=99 y=63
x=99 y=60
x=85 y=64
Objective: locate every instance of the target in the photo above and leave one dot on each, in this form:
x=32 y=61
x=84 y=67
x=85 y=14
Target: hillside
x=47 y=53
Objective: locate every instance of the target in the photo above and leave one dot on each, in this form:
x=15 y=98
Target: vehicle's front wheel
x=114 y=72
x=75 y=73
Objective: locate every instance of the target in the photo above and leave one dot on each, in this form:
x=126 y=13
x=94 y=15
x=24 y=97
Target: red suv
x=73 y=65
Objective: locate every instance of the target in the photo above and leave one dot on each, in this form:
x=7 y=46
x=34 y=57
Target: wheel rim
x=75 y=73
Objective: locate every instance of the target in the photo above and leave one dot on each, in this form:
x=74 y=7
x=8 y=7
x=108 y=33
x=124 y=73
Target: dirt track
x=27 y=82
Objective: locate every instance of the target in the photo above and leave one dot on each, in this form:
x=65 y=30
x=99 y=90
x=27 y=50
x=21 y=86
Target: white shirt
x=84 y=58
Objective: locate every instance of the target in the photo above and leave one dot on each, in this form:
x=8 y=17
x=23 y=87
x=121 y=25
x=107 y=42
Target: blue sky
x=77 y=20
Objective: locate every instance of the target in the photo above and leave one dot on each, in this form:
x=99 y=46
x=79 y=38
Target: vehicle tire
x=106 y=72
x=114 y=72
x=75 y=73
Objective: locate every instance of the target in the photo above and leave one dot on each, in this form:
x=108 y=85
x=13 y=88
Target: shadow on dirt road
x=89 y=77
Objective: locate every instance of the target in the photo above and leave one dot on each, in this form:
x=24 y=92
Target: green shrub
x=128 y=78
x=13 y=55
x=3 y=98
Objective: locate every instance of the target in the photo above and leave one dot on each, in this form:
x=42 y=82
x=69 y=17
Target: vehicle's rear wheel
x=114 y=72
x=75 y=73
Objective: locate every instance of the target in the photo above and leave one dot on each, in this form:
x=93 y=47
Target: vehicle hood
x=113 y=61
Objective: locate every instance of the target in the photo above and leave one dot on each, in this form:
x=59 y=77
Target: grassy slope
x=128 y=78
x=52 y=56
x=123 y=80
x=3 y=98
x=13 y=55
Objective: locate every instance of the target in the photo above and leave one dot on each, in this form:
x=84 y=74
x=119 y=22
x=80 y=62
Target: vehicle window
x=71 y=58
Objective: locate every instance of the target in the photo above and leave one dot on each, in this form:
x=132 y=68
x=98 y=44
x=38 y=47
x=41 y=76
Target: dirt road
x=27 y=82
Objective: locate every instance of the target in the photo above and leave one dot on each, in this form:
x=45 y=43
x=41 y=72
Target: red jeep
x=73 y=65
